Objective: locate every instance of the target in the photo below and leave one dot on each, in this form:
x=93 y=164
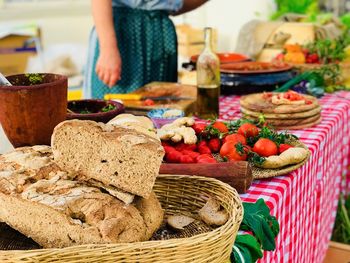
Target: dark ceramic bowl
x=92 y=109
x=241 y=84
x=32 y=107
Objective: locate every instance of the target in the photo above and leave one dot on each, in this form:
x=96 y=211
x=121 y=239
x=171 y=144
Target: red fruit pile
x=217 y=137
x=188 y=153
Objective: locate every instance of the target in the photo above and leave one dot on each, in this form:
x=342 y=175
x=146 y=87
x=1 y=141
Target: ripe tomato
x=229 y=150
x=220 y=126
x=265 y=147
x=235 y=138
x=248 y=130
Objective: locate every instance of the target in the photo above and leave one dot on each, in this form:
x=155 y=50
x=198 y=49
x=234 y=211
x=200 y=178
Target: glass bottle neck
x=207 y=39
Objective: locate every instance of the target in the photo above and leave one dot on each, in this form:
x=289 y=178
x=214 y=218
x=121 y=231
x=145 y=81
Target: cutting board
x=159 y=89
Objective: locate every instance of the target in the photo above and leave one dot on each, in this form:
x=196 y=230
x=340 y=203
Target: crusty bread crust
x=114 y=155
x=44 y=203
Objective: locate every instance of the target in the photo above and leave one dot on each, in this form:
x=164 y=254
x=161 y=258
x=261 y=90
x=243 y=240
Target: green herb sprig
x=107 y=108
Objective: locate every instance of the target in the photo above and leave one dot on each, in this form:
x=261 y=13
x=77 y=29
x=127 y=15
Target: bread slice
x=114 y=155
x=44 y=203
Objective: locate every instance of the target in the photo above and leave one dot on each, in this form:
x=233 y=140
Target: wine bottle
x=208 y=80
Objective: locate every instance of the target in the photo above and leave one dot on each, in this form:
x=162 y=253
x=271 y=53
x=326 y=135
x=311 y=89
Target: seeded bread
x=114 y=155
x=41 y=201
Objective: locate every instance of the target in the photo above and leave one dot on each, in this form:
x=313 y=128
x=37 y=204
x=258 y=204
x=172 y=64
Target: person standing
x=132 y=43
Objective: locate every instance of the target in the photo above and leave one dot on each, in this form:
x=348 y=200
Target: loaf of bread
x=139 y=123
x=113 y=155
x=41 y=201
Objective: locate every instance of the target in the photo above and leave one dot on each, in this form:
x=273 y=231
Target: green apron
x=148 y=47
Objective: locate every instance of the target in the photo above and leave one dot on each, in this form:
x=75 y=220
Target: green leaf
x=265 y=227
x=248 y=248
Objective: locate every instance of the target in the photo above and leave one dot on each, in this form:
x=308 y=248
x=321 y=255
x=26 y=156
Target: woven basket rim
x=231 y=222
x=263 y=173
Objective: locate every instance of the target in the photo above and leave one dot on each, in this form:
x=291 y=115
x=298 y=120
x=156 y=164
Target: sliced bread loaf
x=114 y=155
x=44 y=203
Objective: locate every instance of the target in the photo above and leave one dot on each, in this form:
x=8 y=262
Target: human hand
x=108 y=66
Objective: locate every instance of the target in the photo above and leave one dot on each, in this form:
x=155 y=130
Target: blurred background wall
x=63 y=21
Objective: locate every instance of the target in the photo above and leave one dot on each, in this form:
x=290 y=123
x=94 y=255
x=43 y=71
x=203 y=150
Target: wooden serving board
x=236 y=174
x=159 y=89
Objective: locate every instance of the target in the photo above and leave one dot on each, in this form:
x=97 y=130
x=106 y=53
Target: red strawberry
x=168 y=149
x=186 y=159
x=206 y=155
x=194 y=155
x=164 y=143
x=207 y=160
x=204 y=149
x=182 y=146
x=199 y=127
x=214 y=145
x=173 y=157
x=202 y=143
x=284 y=147
x=191 y=147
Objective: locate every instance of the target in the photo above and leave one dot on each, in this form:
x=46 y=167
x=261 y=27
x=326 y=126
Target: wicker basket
x=178 y=194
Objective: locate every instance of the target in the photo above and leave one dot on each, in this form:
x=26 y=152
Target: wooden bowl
x=32 y=107
x=94 y=107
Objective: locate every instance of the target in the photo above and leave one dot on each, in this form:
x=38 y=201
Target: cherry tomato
x=248 y=130
x=230 y=151
x=265 y=147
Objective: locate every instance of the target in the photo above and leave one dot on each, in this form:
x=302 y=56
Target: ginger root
x=291 y=156
x=178 y=130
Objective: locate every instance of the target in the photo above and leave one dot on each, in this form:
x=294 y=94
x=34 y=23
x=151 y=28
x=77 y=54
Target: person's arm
x=189 y=5
x=108 y=67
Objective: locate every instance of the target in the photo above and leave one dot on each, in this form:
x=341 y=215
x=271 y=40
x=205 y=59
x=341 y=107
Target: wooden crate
x=337 y=253
x=191 y=40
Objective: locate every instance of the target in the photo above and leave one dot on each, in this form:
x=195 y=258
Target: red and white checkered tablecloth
x=305 y=200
